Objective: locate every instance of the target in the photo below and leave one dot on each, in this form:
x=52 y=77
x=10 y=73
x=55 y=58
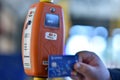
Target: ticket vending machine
x=43 y=35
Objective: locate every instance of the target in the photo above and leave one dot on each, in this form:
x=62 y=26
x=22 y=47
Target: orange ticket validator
x=43 y=35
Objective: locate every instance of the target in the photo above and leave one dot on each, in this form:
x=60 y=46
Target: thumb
x=84 y=69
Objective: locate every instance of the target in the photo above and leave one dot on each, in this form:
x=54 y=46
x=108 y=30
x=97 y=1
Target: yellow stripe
x=46 y=0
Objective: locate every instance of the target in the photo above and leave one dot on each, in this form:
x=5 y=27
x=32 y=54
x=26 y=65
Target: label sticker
x=50 y=36
x=27 y=37
x=45 y=62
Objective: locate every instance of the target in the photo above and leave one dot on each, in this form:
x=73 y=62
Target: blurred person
x=0 y=16
x=11 y=67
x=8 y=30
x=90 y=67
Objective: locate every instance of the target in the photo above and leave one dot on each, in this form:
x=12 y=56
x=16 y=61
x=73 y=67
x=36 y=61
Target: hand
x=90 y=67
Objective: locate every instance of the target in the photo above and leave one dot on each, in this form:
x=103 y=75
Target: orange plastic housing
x=40 y=40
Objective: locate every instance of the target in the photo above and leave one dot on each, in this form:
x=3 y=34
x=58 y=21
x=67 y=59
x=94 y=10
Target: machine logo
x=50 y=36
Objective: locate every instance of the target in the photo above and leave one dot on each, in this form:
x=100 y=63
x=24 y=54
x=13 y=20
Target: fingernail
x=77 y=65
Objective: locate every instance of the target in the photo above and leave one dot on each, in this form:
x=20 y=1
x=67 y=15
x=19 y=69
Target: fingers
x=83 y=69
x=88 y=58
x=86 y=55
x=90 y=66
x=76 y=76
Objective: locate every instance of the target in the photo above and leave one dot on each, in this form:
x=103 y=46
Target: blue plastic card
x=61 y=66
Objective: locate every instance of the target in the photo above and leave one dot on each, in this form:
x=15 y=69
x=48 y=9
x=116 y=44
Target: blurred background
x=92 y=25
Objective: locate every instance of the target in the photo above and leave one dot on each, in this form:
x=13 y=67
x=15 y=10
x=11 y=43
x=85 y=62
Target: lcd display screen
x=52 y=20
